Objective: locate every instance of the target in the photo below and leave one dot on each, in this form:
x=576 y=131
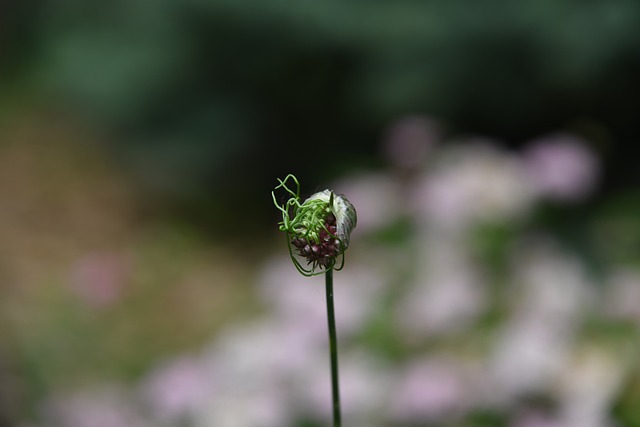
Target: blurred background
x=490 y=149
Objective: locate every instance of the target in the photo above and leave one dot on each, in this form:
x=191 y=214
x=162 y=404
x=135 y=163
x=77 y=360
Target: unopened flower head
x=318 y=228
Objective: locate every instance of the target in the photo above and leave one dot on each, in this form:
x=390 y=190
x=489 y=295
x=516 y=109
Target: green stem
x=333 y=349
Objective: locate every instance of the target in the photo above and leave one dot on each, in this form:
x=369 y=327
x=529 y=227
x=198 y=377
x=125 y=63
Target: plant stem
x=333 y=349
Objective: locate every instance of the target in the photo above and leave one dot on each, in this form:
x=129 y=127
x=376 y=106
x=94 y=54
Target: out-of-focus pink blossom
x=533 y=419
x=429 y=390
x=471 y=183
x=98 y=279
x=408 y=141
x=176 y=388
x=561 y=167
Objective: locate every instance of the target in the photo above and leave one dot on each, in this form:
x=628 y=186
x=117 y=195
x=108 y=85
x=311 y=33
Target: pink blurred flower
x=407 y=141
x=469 y=183
x=176 y=388
x=99 y=278
x=561 y=167
x=428 y=390
x=533 y=419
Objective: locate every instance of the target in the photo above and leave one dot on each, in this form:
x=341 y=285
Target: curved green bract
x=305 y=220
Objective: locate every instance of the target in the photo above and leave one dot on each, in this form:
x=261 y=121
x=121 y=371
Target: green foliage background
x=201 y=93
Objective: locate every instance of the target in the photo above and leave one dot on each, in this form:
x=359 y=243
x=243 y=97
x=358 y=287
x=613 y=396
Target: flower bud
x=319 y=228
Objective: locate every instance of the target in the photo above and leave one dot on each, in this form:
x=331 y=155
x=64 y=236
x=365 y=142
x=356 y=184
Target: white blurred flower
x=251 y=366
x=549 y=296
x=588 y=385
x=377 y=197
x=364 y=388
x=430 y=390
x=561 y=167
x=528 y=356
x=550 y=283
x=107 y=406
x=265 y=372
x=293 y=297
x=257 y=407
x=264 y=378
x=252 y=355
x=472 y=182
x=447 y=293
x=177 y=388
x=302 y=300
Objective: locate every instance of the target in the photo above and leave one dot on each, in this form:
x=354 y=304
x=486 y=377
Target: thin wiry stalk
x=333 y=349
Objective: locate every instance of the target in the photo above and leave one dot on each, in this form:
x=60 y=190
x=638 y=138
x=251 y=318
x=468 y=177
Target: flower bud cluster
x=318 y=228
x=325 y=250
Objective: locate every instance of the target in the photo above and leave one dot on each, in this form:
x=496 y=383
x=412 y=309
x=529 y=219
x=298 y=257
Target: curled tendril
x=306 y=222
